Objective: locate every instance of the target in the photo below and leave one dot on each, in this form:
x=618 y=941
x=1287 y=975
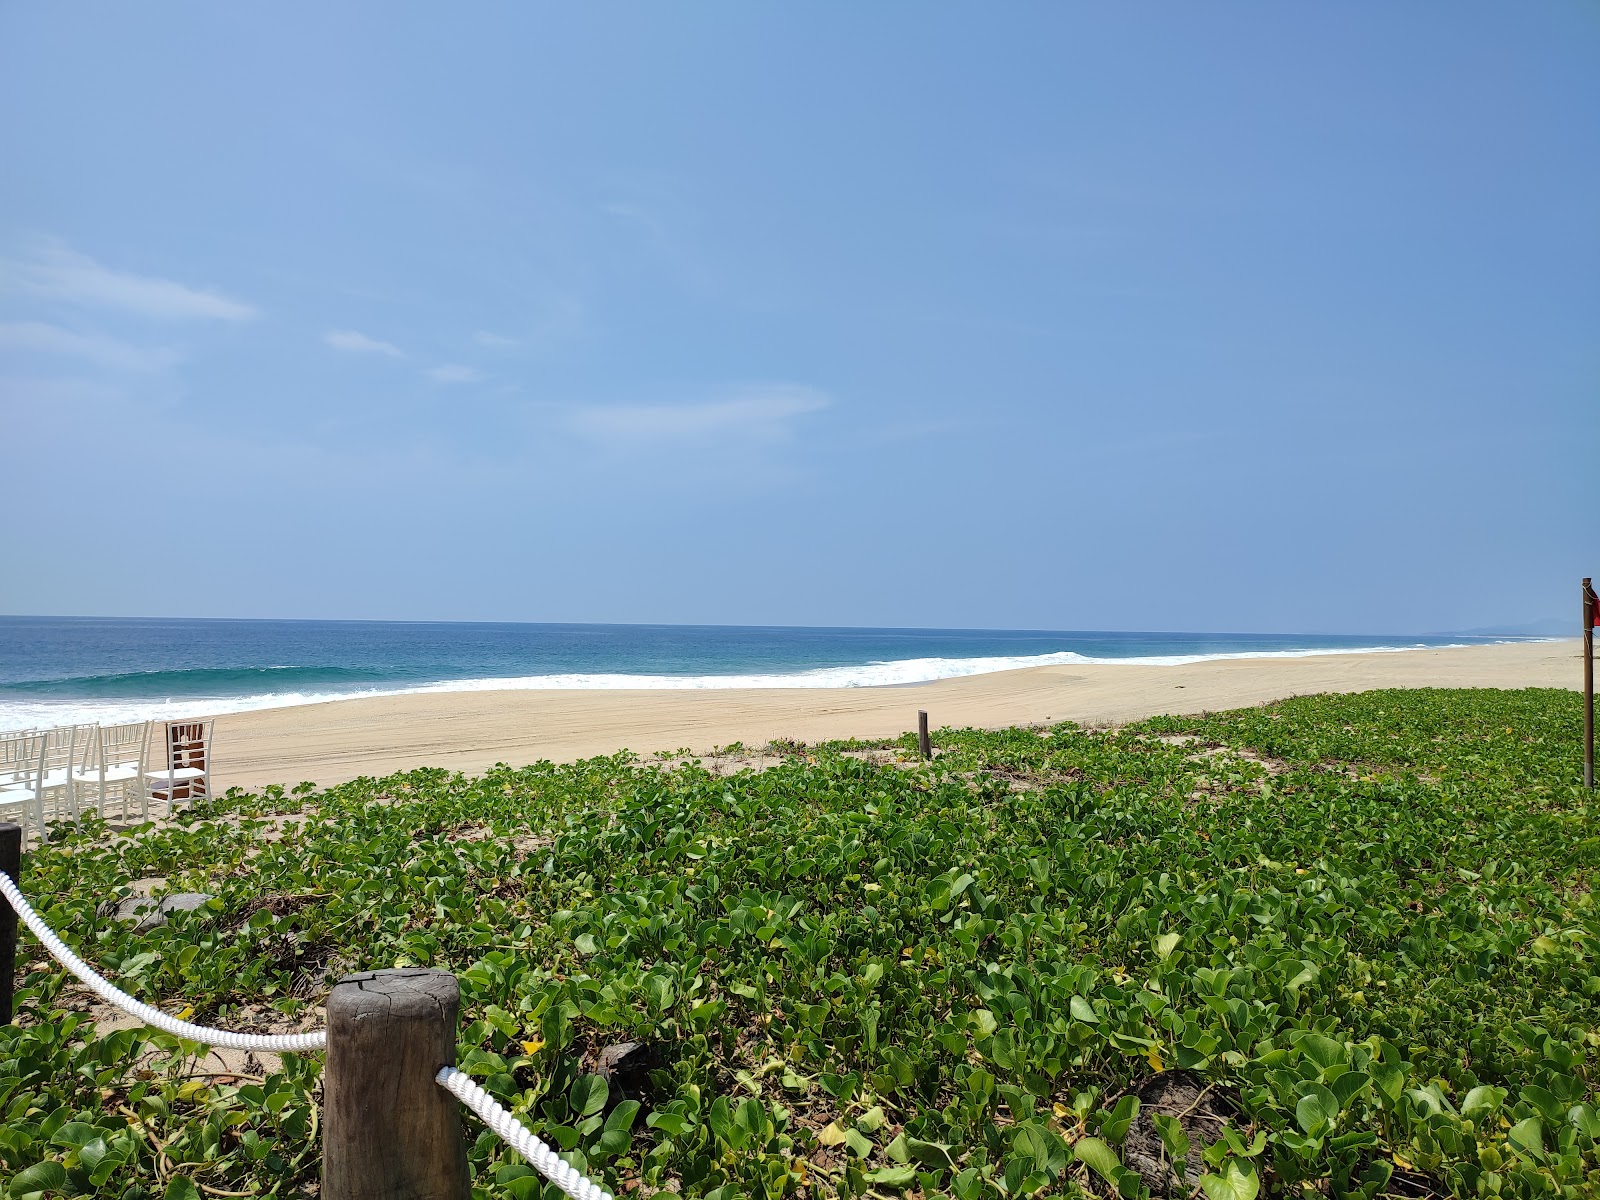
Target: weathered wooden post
x=1588 y=683
x=11 y=864
x=389 y=1132
x=923 y=744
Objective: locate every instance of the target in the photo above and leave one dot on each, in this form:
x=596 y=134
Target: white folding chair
x=18 y=756
x=22 y=797
x=113 y=759
x=185 y=754
x=56 y=793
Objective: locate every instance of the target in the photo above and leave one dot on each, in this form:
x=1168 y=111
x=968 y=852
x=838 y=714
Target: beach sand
x=470 y=731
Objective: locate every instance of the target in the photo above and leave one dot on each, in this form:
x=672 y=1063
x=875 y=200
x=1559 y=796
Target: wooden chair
x=185 y=749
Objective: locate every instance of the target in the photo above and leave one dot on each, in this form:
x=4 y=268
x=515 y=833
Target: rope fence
x=362 y=1159
x=516 y=1135
x=154 y=1017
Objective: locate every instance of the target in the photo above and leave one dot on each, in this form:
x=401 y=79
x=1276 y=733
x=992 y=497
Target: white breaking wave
x=31 y=714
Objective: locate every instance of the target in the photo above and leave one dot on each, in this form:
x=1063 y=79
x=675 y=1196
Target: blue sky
x=1256 y=318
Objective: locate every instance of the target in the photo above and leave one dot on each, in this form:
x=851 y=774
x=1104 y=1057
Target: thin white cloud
x=360 y=343
x=763 y=412
x=454 y=373
x=54 y=270
x=495 y=341
x=40 y=337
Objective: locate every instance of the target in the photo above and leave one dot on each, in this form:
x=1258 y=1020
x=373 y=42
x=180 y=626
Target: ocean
x=61 y=670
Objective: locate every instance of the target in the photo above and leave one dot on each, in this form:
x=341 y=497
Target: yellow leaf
x=1154 y=1060
x=1400 y=1162
x=533 y=1047
x=831 y=1135
x=186 y=1012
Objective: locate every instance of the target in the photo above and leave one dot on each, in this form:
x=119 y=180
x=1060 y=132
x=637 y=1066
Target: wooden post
x=923 y=744
x=389 y=1132
x=1588 y=683
x=11 y=864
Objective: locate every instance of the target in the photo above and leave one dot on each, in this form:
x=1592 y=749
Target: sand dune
x=468 y=731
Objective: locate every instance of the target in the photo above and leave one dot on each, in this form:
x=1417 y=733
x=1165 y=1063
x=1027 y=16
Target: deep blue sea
x=58 y=670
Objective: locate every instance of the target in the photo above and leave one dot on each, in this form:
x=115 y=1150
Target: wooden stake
x=388 y=1130
x=1588 y=683
x=923 y=744
x=11 y=864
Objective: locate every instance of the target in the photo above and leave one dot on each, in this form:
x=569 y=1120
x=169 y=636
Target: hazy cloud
x=360 y=343
x=454 y=373
x=106 y=352
x=54 y=270
x=762 y=412
x=495 y=341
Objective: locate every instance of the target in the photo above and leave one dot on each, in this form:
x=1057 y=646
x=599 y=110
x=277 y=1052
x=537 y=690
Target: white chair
x=184 y=755
x=56 y=793
x=22 y=792
x=18 y=756
x=112 y=760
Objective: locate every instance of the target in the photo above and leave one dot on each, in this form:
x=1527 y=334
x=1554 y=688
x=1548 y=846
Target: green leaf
x=1482 y=1099
x=895 y=1177
x=1527 y=1135
x=1115 y=1127
x=751 y=1116
x=41 y=1177
x=1099 y=1157
x=1172 y=1135
x=588 y=1094
x=933 y=1155
x=720 y=1119
x=623 y=1115
x=90 y=1154
x=1323 y=1051
x=1083 y=1010
x=670 y=1123
x=1317 y=1110
x=182 y=1188
x=1391 y=1081
x=658 y=989
x=1238 y=1181
x=75 y=1133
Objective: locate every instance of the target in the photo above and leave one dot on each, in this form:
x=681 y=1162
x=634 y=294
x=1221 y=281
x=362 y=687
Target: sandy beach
x=469 y=731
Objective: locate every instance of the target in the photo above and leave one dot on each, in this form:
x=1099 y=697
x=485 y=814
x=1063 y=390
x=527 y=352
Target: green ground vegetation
x=1362 y=925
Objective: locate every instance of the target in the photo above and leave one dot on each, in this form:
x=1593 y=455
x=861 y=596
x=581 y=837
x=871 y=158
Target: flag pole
x=1588 y=683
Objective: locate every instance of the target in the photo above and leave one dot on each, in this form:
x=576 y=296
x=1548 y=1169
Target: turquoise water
x=56 y=670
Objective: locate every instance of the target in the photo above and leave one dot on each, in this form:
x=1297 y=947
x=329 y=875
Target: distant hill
x=1549 y=627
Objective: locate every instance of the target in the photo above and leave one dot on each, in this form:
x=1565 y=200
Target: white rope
x=543 y=1159
x=297 y=1042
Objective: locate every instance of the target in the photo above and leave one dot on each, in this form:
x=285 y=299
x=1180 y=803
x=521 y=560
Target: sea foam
x=37 y=713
